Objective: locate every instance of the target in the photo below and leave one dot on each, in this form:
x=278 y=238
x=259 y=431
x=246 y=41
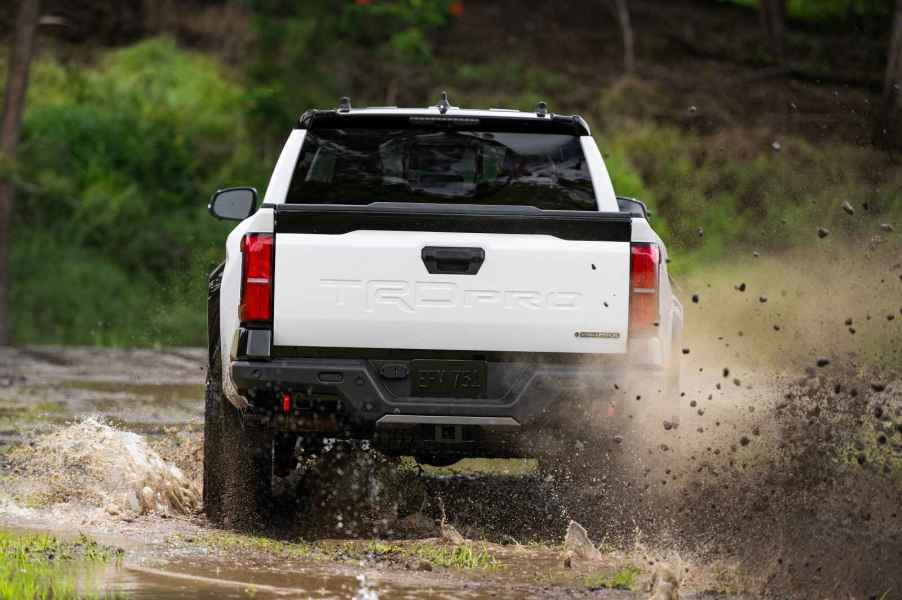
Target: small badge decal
x=608 y=335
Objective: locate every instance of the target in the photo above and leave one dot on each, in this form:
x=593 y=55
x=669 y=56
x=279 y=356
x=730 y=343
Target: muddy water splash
x=96 y=464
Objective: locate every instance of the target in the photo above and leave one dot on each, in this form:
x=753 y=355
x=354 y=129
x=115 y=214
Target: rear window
x=361 y=166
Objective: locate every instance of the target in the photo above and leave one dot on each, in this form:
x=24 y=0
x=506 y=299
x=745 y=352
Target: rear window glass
x=361 y=166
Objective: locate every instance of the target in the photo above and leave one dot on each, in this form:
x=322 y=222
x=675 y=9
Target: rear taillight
x=644 y=267
x=256 y=280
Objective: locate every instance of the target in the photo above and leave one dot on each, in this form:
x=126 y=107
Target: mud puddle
x=169 y=568
x=143 y=391
x=768 y=484
x=185 y=558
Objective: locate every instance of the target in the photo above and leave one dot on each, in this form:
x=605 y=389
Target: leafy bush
x=114 y=170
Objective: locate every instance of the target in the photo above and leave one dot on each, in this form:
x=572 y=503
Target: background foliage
x=123 y=146
x=116 y=162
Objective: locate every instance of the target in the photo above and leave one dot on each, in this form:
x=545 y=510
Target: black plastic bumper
x=519 y=393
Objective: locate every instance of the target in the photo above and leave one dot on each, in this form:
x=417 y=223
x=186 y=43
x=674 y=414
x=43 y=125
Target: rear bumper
x=369 y=396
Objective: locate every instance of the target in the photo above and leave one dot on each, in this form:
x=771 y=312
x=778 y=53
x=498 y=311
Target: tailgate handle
x=453 y=261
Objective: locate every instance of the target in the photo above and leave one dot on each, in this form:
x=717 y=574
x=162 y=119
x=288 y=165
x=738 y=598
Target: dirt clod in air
x=848 y=208
x=823 y=362
x=822 y=232
x=740 y=287
x=695 y=298
x=887 y=227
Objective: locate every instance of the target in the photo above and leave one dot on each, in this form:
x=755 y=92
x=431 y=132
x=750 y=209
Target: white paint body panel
x=601 y=180
x=284 y=169
x=370 y=289
x=522 y=299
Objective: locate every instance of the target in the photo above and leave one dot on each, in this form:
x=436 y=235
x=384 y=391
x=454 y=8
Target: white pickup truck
x=439 y=282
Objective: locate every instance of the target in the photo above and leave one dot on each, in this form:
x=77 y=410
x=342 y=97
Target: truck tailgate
x=435 y=277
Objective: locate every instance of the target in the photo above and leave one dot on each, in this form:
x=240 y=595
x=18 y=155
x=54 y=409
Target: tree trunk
x=888 y=132
x=773 y=21
x=622 y=12
x=10 y=127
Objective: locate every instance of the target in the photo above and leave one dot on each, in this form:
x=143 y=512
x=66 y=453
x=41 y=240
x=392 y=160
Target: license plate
x=448 y=378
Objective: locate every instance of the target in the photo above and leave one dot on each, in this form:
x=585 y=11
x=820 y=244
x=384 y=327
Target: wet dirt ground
x=738 y=498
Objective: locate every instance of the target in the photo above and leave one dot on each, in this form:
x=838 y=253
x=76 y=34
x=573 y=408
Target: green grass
x=236 y=542
x=38 y=567
x=456 y=557
x=625 y=578
x=465 y=556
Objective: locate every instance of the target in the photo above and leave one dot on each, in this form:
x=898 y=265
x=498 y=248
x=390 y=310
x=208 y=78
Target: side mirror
x=634 y=207
x=234 y=204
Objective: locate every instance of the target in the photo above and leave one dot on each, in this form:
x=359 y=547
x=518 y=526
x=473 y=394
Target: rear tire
x=213 y=398
x=238 y=453
x=247 y=493
x=213 y=463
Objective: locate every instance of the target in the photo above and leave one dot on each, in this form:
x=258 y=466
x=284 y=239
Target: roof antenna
x=541 y=109
x=443 y=104
x=344 y=104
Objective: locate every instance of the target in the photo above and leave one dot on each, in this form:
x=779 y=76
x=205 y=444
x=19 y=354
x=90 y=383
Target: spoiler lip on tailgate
x=337 y=219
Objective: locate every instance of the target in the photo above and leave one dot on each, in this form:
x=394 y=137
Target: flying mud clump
x=93 y=463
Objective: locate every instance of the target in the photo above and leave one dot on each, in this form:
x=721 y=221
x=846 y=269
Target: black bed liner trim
x=412 y=354
x=336 y=219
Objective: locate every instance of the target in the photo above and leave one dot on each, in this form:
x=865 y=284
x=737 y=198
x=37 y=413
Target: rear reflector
x=256 y=280
x=644 y=263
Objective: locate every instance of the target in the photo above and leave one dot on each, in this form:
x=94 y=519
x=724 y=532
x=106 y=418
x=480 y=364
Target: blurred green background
x=138 y=111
